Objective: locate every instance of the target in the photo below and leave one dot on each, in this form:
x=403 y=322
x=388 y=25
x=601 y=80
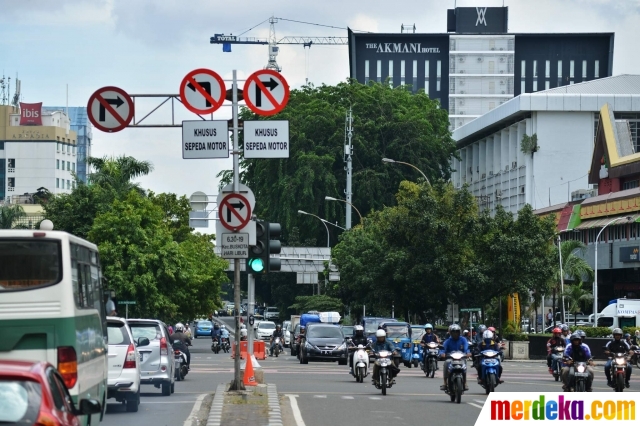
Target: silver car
x=157 y=365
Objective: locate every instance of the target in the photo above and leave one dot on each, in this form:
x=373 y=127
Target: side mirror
x=90 y=406
x=143 y=341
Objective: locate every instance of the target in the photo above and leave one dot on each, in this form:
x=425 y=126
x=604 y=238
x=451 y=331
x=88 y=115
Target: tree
x=176 y=213
x=318 y=302
x=10 y=214
x=117 y=173
x=576 y=296
x=574 y=266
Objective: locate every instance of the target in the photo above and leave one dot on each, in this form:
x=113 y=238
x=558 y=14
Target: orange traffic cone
x=249 y=378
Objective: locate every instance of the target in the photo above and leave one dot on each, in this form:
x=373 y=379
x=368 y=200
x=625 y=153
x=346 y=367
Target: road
x=326 y=394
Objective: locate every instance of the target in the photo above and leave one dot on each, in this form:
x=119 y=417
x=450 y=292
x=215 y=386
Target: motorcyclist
x=277 y=333
x=182 y=342
x=566 y=333
x=617 y=345
x=243 y=334
x=224 y=333
x=488 y=343
x=627 y=338
x=358 y=339
x=466 y=335
x=555 y=341
x=428 y=337
x=578 y=352
x=381 y=344
x=216 y=333
x=453 y=343
x=481 y=329
x=636 y=338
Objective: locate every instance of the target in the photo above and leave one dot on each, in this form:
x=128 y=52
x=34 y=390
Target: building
x=500 y=169
x=37 y=150
x=81 y=125
x=610 y=219
x=478 y=65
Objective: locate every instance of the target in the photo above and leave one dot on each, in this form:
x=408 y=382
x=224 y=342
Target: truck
x=620 y=313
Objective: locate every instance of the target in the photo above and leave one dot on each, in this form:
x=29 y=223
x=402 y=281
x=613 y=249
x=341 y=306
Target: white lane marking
x=375 y=398
x=194 y=411
x=480 y=401
x=297 y=416
x=319 y=396
x=347 y=397
x=475 y=405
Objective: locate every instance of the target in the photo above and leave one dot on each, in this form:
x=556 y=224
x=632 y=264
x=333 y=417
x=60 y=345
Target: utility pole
x=348 y=151
x=251 y=287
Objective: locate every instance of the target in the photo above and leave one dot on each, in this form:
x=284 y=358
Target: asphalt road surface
x=324 y=393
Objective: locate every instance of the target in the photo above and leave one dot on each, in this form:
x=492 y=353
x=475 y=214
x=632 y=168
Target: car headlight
x=342 y=347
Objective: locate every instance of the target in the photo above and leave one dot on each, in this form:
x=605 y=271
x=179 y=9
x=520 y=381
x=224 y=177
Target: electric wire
x=257 y=25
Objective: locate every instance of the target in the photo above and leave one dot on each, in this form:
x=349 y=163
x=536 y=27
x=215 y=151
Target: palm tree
x=574 y=266
x=118 y=173
x=577 y=296
x=9 y=214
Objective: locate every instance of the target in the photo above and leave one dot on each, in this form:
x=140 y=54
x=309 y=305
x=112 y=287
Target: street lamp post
x=595 y=278
x=564 y=317
x=324 y=222
x=345 y=201
x=389 y=160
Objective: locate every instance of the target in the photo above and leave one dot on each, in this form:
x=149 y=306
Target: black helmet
x=576 y=336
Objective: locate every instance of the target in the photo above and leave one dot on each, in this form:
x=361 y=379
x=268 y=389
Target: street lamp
x=324 y=222
x=595 y=280
x=345 y=201
x=389 y=160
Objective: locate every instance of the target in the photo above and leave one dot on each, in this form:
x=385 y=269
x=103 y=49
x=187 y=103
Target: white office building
x=564 y=120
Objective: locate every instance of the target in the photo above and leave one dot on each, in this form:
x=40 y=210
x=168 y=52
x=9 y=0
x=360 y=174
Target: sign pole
x=251 y=281
x=237 y=383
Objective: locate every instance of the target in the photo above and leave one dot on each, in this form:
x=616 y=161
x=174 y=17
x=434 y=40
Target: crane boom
x=221 y=39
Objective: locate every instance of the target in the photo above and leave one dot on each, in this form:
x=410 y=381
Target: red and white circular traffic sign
x=202 y=91
x=234 y=212
x=110 y=109
x=266 y=92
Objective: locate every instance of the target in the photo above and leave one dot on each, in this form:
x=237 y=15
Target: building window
x=379 y=70
x=73 y=185
x=559 y=72
x=438 y=75
x=366 y=75
x=546 y=85
x=58 y=164
x=1 y=146
x=630 y=184
x=426 y=77
x=522 y=87
x=402 y=70
x=73 y=167
x=547 y=69
x=68 y=184
x=391 y=72
x=58 y=146
x=535 y=69
x=57 y=182
x=584 y=69
x=68 y=166
x=415 y=75
x=572 y=69
x=596 y=69
x=523 y=69
x=535 y=85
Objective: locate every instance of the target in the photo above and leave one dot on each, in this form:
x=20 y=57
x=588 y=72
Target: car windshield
x=324 y=333
x=205 y=324
x=19 y=401
x=397 y=331
x=151 y=332
x=267 y=325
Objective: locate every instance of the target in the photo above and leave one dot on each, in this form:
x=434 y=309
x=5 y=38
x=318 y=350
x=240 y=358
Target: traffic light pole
x=251 y=287
x=237 y=383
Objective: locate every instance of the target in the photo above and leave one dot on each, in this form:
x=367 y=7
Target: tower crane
x=273 y=42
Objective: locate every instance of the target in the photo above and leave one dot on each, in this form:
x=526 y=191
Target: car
x=286 y=327
x=123 y=382
x=295 y=347
x=33 y=392
x=203 y=328
x=157 y=365
x=324 y=342
x=347 y=330
x=264 y=330
x=271 y=313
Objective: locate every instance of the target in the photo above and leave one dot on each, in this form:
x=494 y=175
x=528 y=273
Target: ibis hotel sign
x=31 y=114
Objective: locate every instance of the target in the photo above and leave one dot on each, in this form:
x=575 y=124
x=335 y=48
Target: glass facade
x=81 y=125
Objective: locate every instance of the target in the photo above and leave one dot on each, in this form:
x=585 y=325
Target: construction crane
x=273 y=42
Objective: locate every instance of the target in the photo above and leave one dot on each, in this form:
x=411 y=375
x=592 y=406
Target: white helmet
x=488 y=334
x=179 y=327
x=222 y=327
x=243 y=332
x=465 y=332
x=243 y=327
x=381 y=333
x=358 y=328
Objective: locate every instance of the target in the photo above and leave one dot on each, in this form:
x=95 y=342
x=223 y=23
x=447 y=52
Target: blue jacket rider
x=486 y=344
x=453 y=344
x=428 y=337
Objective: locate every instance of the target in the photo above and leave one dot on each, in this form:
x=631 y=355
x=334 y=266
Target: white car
x=286 y=327
x=123 y=381
x=264 y=330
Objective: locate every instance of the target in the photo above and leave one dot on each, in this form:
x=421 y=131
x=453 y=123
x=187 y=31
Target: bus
x=52 y=308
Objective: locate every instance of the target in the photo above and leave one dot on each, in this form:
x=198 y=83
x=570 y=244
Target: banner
x=513 y=308
x=549 y=407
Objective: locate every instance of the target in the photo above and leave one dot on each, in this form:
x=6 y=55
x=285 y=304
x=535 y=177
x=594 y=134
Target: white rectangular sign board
x=266 y=139
x=205 y=139
x=235 y=245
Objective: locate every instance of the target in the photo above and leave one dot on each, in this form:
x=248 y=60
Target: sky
x=148 y=46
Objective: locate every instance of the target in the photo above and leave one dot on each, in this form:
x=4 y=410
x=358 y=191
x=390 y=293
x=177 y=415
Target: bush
x=510 y=328
x=630 y=330
x=593 y=331
x=516 y=337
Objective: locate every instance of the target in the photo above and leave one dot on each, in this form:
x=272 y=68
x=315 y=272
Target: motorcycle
x=580 y=374
x=619 y=368
x=277 y=347
x=556 y=354
x=215 y=347
x=383 y=360
x=635 y=355
x=489 y=368
x=455 y=383
x=226 y=346
x=180 y=361
x=431 y=363
x=416 y=356
x=360 y=365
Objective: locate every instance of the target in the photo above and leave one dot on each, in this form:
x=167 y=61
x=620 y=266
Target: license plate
x=326 y=352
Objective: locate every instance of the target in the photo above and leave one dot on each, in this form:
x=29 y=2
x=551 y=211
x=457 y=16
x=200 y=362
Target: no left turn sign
x=202 y=91
x=266 y=92
x=110 y=109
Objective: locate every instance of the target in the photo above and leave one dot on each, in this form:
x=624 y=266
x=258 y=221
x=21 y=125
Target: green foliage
x=9 y=214
x=576 y=296
x=176 y=213
x=630 y=330
x=529 y=144
x=318 y=302
x=516 y=337
x=593 y=331
x=510 y=327
x=117 y=173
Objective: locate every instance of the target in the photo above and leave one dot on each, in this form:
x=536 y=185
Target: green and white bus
x=52 y=308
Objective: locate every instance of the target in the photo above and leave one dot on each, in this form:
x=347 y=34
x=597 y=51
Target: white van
x=622 y=313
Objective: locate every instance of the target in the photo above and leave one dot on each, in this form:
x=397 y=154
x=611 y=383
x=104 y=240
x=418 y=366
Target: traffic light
x=259 y=261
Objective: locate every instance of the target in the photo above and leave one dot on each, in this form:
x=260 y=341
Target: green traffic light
x=256 y=265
